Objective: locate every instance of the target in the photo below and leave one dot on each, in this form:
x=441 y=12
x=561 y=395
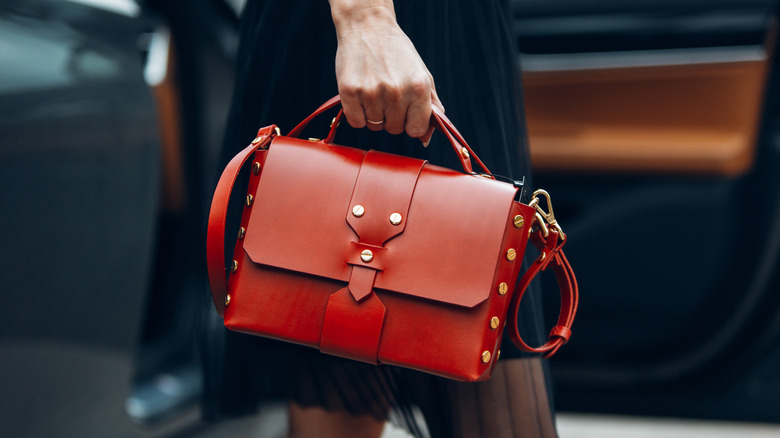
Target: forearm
x=382 y=81
x=360 y=14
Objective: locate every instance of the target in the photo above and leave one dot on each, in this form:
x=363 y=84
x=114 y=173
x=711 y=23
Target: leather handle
x=550 y=254
x=438 y=121
x=215 y=236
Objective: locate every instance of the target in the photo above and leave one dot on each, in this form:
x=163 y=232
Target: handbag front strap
x=550 y=254
x=215 y=236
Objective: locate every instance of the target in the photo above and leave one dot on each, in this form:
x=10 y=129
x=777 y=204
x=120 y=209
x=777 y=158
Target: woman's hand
x=382 y=81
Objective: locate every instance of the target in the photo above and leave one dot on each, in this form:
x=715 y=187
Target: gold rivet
x=511 y=254
x=366 y=255
x=358 y=211
x=256 y=167
x=494 y=322
x=485 y=356
x=241 y=233
x=519 y=221
x=498 y=354
x=227 y=300
x=395 y=218
x=234 y=266
x=313 y=139
x=464 y=152
x=249 y=199
x=503 y=288
x=257 y=140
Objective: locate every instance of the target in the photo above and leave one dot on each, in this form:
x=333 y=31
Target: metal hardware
x=227 y=300
x=498 y=355
x=277 y=130
x=358 y=211
x=256 y=167
x=241 y=233
x=332 y=122
x=542 y=256
x=545 y=218
x=503 y=288
x=485 y=356
x=234 y=266
x=511 y=254
x=249 y=200
x=258 y=139
x=519 y=221
x=366 y=255
x=465 y=153
x=313 y=139
x=542 y=224
x=494 y=322
x=395 y=218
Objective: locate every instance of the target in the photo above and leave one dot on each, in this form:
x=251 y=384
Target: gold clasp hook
x=545 y=218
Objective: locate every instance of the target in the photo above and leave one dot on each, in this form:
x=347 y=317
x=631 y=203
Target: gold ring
x=381 y=122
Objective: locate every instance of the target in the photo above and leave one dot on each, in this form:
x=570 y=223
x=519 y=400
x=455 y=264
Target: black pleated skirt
x=285 y=70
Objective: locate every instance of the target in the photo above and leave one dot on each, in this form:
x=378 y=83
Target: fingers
x=395 y=110
x=373 y=103
x=353 y=108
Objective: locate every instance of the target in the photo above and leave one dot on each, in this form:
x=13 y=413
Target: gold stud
x=494 y=322
x=313 y=139
x=511 y=254
x=498 y=354
x=519 y=221
x=503 y=288
x=465 y=153
x=227 y=300
x=485 y=356
x=256 y=167
x=234 y=266
x=249 y=200
x=241 y=233
x=257 y=139
x=395 y=218
x=358 y=211
x=366 y=255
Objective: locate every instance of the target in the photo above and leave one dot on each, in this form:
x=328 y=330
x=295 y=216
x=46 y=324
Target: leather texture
x=377 y=257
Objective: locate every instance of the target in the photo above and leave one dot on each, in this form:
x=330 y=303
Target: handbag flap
x=447 y=251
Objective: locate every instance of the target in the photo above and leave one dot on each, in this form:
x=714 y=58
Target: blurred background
x=653 y=124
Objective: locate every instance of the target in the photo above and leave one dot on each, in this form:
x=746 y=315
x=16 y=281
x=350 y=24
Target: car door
x=653 y=126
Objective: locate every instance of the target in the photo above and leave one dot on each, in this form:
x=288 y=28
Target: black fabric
x=285 y=71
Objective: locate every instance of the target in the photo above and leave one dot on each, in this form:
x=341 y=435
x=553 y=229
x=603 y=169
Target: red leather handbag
x=381 y=258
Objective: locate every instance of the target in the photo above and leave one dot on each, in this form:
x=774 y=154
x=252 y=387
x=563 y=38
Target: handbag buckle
x=545 y=219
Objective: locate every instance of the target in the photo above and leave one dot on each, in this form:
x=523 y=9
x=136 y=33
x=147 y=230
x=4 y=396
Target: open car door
x=653 y=125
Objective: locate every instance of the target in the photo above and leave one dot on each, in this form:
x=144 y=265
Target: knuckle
x=349 y=91
x=394 y=94
x=420 y=88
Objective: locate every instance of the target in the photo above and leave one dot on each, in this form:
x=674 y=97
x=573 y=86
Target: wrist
x=356 y=14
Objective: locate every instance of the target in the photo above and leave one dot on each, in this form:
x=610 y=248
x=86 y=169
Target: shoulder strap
x=215 y=237
x=550 y=253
